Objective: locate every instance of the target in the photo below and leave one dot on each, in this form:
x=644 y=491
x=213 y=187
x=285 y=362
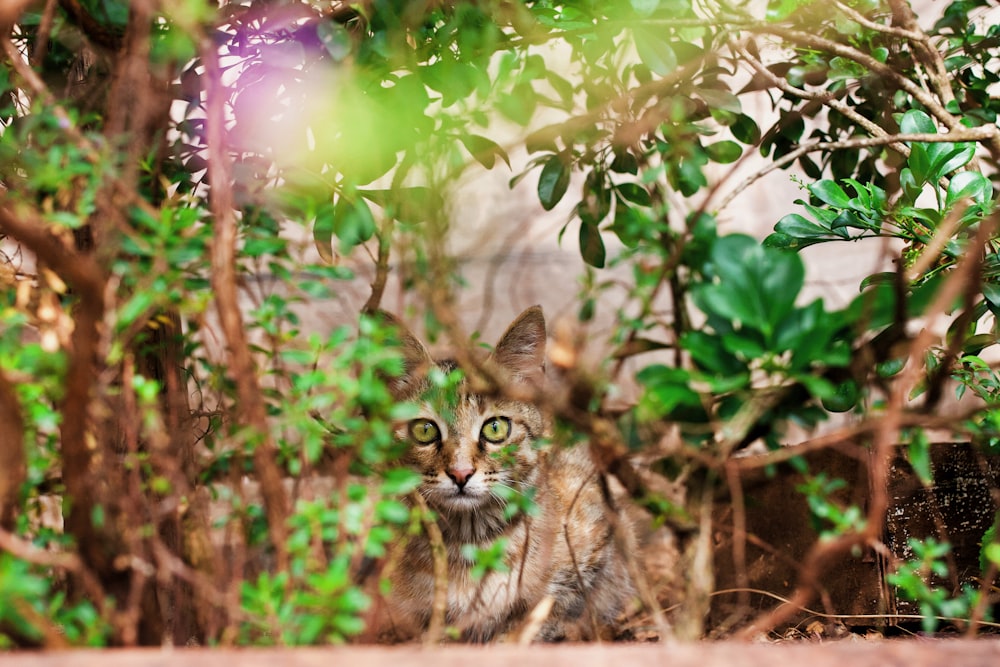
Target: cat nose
x=461 y=475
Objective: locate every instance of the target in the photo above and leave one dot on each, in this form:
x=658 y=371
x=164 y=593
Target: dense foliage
x=159 y=160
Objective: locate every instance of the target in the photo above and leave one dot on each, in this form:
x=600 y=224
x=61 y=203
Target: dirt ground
x=858 y=653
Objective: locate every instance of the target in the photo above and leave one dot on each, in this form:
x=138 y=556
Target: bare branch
x=962 y=133
x=12 y=459
x=826 y=98
x=224 y=281
x=439 y=604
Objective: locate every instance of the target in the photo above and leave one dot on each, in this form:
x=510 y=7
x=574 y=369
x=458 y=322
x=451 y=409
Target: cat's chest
x=479 y=596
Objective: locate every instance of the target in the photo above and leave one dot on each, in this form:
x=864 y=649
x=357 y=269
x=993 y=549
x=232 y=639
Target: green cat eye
x=496 y=429
x=424 y=431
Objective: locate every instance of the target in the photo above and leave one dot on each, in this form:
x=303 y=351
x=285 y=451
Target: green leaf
x=990 y=552
x=644 y=7
x=830 y=193
x=783 y=241
x=592 y=245
x=654 y=52
x=484 y=150
x=991 y=292
x=596 y=202
x=453 y=79
x=946 y=158
x=882 y=278
x=353 y=223
x=413 y=204
x=746 y=130
x=634 y=193
x=755 y=286
x=779 y=10
x=392 y=511
x=553 y=182
x=969 y=184
x=720 y=100
x=844 y=397
x=798 y=227
x=919 y=452
x=667 y=392
x=519 y=106
x=724 y=152
x=709 y=353
x=562 y=87
x=624 y=163
x=915 y=121
x=400 y=481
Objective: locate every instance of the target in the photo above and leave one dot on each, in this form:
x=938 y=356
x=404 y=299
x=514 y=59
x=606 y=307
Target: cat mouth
x=457 y=498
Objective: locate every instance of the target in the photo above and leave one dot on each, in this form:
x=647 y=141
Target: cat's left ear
x=521 y=350
x=416 y=359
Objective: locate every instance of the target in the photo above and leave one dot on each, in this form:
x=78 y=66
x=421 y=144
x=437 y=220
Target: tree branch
x=825 y=98
x=12 y=458
x=962 y=133
x=251 y=408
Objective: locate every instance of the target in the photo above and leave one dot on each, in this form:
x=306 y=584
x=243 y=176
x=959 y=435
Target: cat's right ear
x=416 y=359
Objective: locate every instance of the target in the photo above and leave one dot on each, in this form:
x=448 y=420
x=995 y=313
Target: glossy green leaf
x=634 y=193
x=783 y=241
x=831 y=193
x=755 y=286
x=724 y=152
x=592 y=245
x=353 y=223
x=746 y=130
x=915 y=121
x=844 y=397
x=969 y=185
x=799 y=227
x=552 y=182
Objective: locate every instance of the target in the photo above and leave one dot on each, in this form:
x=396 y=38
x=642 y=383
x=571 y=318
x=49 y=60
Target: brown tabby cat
x=469 y=453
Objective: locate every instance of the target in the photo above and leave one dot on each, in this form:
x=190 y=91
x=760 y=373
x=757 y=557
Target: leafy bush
x=161 y=162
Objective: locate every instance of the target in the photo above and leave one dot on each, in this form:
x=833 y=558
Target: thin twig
x=983 y=133
x=13 y=467
x=44 y=31
x=60 y=560
x=865 y=22
x=439 y=605
x=827 y=98
x=224 y=284
x=840 y=617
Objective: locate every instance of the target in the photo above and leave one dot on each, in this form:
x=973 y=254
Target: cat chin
x=460 y=502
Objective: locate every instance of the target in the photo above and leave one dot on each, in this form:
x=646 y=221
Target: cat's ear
x=521 y=350
x=416 y=359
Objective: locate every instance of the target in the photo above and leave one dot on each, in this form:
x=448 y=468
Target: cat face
x=472 y=455
x=474 y=449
